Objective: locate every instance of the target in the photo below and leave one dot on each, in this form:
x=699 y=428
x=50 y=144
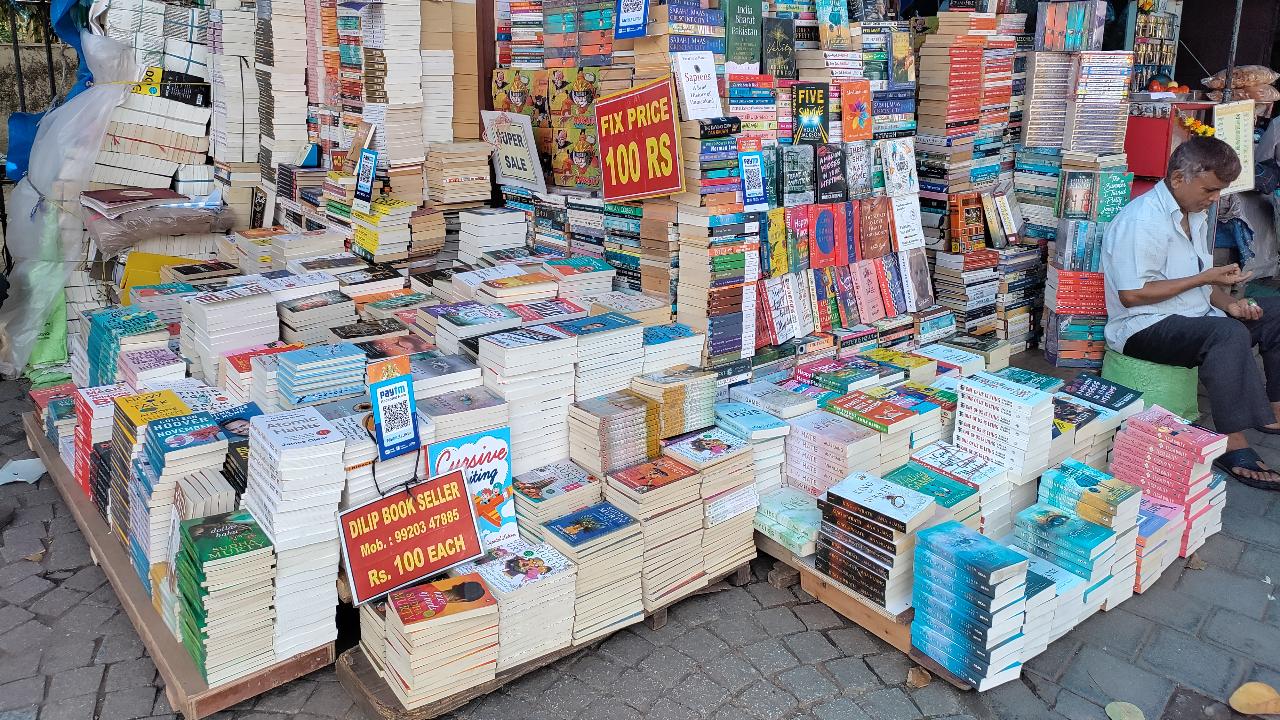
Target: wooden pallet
x=374 y=697
x=893 y=629
x=184 y=687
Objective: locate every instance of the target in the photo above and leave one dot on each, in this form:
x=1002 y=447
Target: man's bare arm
x=1160 y=290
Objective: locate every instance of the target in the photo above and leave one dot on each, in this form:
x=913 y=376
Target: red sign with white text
x=639 y=137
x=408 y=536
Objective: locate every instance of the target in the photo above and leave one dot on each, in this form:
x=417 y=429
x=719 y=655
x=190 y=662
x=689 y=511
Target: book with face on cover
x=517 y=565
x=442 y=601
x=706 y=448
x=551 y=481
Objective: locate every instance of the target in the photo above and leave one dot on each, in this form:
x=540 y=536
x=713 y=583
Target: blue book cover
x=975 y=553
x=177 y=437
x=322 y=396
x=961 y=629
x=1066 y=530
x=747 y=421
x=659 y=334
x=297 y=362
x=941 y=573
x=978 y=657
x=597 y=324
x=961 y=607
x=589 y=523
x=970 y=665
x=1030 y=378
x=580 y=265
x=1037 y=583
x=485 y=461
x=1069 y=560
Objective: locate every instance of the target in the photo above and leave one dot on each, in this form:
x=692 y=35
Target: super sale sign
x=640 y=142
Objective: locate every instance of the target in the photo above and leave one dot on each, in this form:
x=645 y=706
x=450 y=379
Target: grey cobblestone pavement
x=68 y=652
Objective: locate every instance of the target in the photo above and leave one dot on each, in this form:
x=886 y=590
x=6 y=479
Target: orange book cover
x=453 y=598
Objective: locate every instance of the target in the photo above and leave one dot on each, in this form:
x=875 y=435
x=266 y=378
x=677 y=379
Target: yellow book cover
x=143 y=408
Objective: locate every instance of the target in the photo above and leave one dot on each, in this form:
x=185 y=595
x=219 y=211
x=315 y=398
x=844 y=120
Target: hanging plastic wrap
x=203 y=216
x=46 y=233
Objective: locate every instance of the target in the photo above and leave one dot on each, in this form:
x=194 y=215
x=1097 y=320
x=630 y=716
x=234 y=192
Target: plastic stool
x=1173 y=388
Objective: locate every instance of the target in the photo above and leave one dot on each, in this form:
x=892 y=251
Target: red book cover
x=824 y=242
x=886 y=293
x=876 y=233
x=866 y=288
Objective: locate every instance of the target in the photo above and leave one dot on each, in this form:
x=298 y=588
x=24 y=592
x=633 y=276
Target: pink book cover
x=1130 y=447
x=150 y=359
x=1177 y=431
x=866 y=289
x=43 y=396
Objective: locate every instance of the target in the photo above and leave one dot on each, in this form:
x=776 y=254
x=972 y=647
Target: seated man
x=1168 y=304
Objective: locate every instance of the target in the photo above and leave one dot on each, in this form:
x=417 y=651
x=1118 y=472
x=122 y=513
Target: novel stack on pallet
x=1077 y=545
x=532 y=369
x=729 y=496
x=607 y=546
x=822 y=449
x=552 y=491
x=1007 y=424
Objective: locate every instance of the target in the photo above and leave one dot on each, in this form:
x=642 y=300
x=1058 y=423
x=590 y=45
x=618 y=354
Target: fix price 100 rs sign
x=639 y=142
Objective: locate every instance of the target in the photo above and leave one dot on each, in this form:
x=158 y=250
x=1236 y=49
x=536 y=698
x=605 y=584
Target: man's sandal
x=1246 y=459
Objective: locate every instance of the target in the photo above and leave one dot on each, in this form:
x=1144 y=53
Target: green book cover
x=742 y=19
x=221 y=537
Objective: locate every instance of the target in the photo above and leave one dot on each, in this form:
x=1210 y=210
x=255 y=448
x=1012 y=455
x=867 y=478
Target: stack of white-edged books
x=262 y=385
x=296 y=477
x=217 y=322
x=535 y=586
x=175 y=447
x=611 y=431
x=235 y=372
x=1068 y=601
x=686 y=398
x=1006 y=423
x=767 y=435
x=435 y=372
x=469 y=319
x=486 y=229
x=610 y=353
x=666 y=346
x=294 y=248
x=532 y=369
x=666 y=497
x=368 y=478
x=987 y=478
x=607 y=546
x=646 y=309
x=791 y=518
x=164 y=300
x=464 y=284
x=582 y=276
x=464 y=412
x=1077 y=545
x=373 y=635
x=1160 y=528
x=728 y=492
x=772 y=399
x=142 y=369
x=551 y=491
x=442 y=638
x=308 y=319
x=332 y=263
x=526 y=288
x=319 y=374
x=822 y=449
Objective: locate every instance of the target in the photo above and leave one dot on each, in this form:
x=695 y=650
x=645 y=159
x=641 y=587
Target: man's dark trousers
x=1222 y=347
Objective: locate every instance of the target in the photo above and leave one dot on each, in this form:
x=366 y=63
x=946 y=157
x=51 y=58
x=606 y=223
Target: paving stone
x=1101 y=677
x=667 y=665
x=811 y=647
x=131 y=673
x=118 y=648
x=86 y=579
x=735 y=601
x=817 y=616
x=86 y=618
x=1169 y=607
x=73 y=683
x=505 y=706
x=1117 y=631
x=25 y=590
x=801 y=595
x=67 y=652
x=666 y=709
x=32 y=514
x=1054 y=660
x=1221 y=551
x=852 y=675
x=891 y=667
x=105 y=597
x=15 y=571
x=639 y=689
x=732 y=671
x=67 y=552
x=1015 y=701
x=856 y=641
x=1045 y=689
x=627 y=648
x=597 y=671
x=889 y=704
x=1260 y=563
x=766 y=702
x=770 y=596
x=20 y=714
x=62 y=526
x=808 y=685
x=1252 y=529
x=535 y=683
x=78 y=708
x=329 y=700
x=1187 y=704
x=162 y=705
x=695 y=611
x=1189 y=661
x=22 y=693
x=610 y=709
x=700 y=645
x=28 y=635
x=54 y=603
x=11 y=616
x=16 y=667
x=840 y=709
x=770 y=656
x=1074 y=707
x=1245 y=595
x=21 y=542
x=1245 y=636
x=129 y=703
x=937 y=698
x=664 y=635
x=699 y=693
x=738 y=631
x=778 y=621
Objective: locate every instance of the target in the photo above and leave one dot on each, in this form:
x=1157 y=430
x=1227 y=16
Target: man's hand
x=1245 y=309
x=1224 y=275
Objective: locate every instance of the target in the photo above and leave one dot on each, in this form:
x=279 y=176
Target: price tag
x=639 y=142
x=408 y=536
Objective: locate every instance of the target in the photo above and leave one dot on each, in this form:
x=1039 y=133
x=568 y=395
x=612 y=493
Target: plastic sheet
x=46 y=232
x=114 y=236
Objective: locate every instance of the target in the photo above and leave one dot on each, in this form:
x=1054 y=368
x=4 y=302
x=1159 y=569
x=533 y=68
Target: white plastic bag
x=46 y=232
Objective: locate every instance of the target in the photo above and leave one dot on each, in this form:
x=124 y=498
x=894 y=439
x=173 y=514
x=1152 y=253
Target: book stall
x=513 y=326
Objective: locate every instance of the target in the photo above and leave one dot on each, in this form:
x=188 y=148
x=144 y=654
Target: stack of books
x=150 y=368
x=128 y=441
x=772 y=399
x=666 y=346
x=235 y=372
x=1103 y=500
x=373 y=635
x=1049 y=82
x=970 y=603
x=607 y=546
x=1160 y=528
x=467 y=319
x=867 y=537
x=1077 y=545
x=459 y=413
x=441 y=638
x=1171 y=460
x=665 y=496
x=1100 y=86
x=894 y=423
x=486 y=229
x=955 y=500
x=214 y=323
x=988 y=479
x=648 y=310
x=309 y=319
x=457 y=173
x=95 y=411
x=822 y=449
x=281 y=62
x=1112 y=402
x=728 y=495
x=319 y=374
x=685 y=397
x=527 y=288
x=293 y=249
x=225 y=566
x=790 y=518
x=366 y=475
x=163 y=300
x=296 y=477
x=535 y=586
x=610 y=352
x=552 y=491
x=581 y=277
x=1054 y=602
x=532 y=369
x=116 y=330
x=1005 y=423
x=767 y=435
x=435 y=373
x=612 y=431
x=263 y=390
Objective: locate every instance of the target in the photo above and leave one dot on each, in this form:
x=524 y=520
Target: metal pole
x=48 y=51
x=17 y=60
x=1231 y=53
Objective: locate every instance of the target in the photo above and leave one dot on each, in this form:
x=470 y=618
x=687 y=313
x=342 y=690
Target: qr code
x=395 y=410
x=751 y=176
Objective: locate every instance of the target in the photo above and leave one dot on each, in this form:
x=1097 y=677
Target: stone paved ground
x=68 y=652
